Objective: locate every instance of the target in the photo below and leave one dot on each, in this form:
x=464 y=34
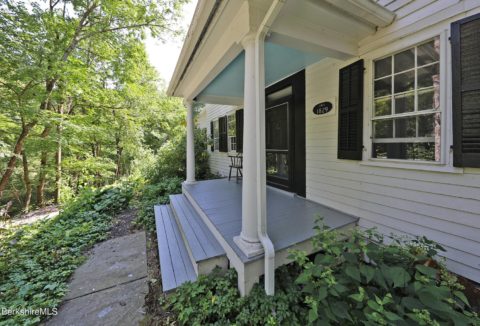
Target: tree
x=74 y=58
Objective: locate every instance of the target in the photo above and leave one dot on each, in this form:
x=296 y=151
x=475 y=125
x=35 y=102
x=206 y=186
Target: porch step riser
x=204 y=252
x=203 y=267
x=182 y=233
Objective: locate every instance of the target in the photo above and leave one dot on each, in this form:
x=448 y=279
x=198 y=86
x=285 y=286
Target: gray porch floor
x=290 y=219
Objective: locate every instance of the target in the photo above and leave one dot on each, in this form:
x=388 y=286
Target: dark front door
x=277 y=144
x=285 y=134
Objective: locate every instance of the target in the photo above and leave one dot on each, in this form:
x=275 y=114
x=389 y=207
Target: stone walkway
x=109 y=289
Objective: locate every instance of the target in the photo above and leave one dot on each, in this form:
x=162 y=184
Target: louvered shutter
x=212 y=135
x=239 y=130
x=222 y=130
x=350 y=112
x=465 y=41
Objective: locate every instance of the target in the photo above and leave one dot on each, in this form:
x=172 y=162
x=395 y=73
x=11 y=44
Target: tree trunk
x=42 y=172
x=27 y=182
x=58 y=172
x=58 y=158
x=118 y=172
x=16 y=152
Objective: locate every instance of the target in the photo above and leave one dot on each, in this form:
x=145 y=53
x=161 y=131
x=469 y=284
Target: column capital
x=248 y=40
x=188 y=103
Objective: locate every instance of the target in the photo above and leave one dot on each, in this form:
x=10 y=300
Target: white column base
x=187 y=182
x=250 y=249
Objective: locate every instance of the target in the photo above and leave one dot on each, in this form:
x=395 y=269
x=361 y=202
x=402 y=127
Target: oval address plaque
x=322 y=108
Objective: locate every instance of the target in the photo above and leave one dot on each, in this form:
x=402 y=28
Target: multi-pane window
x=216 y=136
x=406 y=111
x=232 y=140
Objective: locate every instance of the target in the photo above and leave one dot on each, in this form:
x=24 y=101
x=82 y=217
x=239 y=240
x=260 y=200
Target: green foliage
x=214 y=299
x=36 y=260
x=360 y=280
x=75 y=79
x=161 y=175
x=171 y=160
x=354 y=280
x=154 y=194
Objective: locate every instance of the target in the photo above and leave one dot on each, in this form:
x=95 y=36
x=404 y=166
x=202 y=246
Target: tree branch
x=76 y=37
x=107 y=30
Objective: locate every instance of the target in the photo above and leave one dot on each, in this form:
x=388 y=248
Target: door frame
x=296 y=128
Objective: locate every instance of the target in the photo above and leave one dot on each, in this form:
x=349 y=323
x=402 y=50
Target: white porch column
x=190 y=144
x=248 y=240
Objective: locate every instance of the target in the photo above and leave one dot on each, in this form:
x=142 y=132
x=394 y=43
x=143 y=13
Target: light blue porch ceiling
x=280 y=62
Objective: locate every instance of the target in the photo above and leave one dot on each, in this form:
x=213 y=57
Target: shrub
x=214 y=299
x=36 y=260
x=171 y=158
x=155 y=194
x=363 y=281
x=354 y=280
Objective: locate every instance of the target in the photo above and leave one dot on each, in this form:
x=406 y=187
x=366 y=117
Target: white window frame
x=394 y=116
x=232 y=139
x=446 y=161
x=216 y=136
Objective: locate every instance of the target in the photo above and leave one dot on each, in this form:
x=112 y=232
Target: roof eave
x=200 y=18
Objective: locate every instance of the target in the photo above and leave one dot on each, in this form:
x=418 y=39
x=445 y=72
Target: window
x=406 y=109
x=232 y=139
x=216 y=136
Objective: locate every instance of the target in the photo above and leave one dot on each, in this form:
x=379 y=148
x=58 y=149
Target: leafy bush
x=171 y=158
x=363 y=281
x=162 y=175
x=36 y=260
x=155 y=194
x=354 y=280
x=214 y=299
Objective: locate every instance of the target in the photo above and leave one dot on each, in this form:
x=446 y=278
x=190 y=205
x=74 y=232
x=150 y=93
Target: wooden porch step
x=175 y=265
x=204 y=250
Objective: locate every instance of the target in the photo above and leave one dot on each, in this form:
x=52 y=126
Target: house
x=364 y=112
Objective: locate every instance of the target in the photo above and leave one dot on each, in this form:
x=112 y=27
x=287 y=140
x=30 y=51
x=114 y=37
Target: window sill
x=418 y=166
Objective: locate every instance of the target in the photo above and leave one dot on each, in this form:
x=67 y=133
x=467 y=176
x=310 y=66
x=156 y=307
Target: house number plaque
x=322 y=108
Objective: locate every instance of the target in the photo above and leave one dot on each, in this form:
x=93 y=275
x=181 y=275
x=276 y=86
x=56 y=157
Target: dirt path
x=110 y=287
x=156 y=314
x=29 y=218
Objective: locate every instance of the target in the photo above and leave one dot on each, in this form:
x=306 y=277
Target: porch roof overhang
x=211 y=65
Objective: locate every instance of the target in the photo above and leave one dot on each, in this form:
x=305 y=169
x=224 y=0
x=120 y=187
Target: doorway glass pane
x=277 y=134
x=277 y=164
x=277 y=127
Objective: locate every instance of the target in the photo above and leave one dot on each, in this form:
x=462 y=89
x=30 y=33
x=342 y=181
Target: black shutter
x=212 y=147
x=465 y=40
x=350 y=112
x=239 y=130
x=222 y=129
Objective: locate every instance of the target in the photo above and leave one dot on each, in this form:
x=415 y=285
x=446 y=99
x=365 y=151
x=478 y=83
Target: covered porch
x=196 y=231
x=253 y=45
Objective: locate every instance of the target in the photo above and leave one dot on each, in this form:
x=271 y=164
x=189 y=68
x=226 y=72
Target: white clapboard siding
x=398 y=4
x=219 y=161
x=445 y=207
x=416 y=16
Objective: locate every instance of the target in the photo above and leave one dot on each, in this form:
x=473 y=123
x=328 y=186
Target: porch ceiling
x=280 y=62
x=303 y=32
